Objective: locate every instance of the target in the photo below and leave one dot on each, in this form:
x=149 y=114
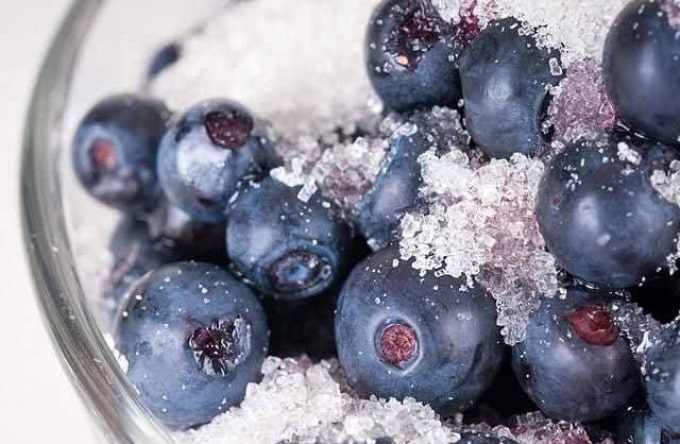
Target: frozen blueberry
x=287 y=248
x=662 y=378
x=641 y=427
x=114 y=151
x=505 y=78
x=483 y=438
x=395 y=190
x=600 y=215
x=193 y=337
x=575 y=363
x=400 y=334
x=209 y=153
x=411 y=55
x=642 y=68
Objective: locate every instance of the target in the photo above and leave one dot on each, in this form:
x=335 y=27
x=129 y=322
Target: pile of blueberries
x=219 y=265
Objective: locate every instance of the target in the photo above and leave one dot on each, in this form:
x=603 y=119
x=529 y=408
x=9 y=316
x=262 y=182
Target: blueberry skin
x=641 y=65
x=662 y=378
x=169 y=324
x=641 y=427
x=601 y=217
x=568 y=377
x=483 y=438
x=163 y=59
x=114 y=151
x=287 y=248
x=505 y=80
x=211 y=151
x=457 y=351
x=411 y=56
x=395 y=190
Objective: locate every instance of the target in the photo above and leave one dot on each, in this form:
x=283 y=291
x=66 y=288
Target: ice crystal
x=480 y=223
x=672 y=10
x=301 y=402
x=580 y=107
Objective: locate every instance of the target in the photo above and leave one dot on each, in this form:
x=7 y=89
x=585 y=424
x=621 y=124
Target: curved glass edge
x=84 y=353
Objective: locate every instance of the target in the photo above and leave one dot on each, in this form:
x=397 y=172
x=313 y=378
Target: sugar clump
x=491 y=235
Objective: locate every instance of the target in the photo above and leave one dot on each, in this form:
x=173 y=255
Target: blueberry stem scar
x=594 y=325
x=398 y=344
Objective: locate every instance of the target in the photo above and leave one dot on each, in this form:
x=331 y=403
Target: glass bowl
x=102 y=47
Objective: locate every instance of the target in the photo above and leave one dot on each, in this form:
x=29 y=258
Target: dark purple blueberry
x=209 y=153
x=194 y=338
x=505 y=78
x=662 y=378
x=641 y=427
x=400 y=334
x=395 y=190
x=114 y=151
x=412 y=55
x=575 y=363
x=600 y=215
x=642 y=68
x=285 y=247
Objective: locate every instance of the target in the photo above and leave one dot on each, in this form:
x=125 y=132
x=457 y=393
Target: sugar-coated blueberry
x=639 y=426
x=285 y=247
x=193 y=337
x=641 y=64
x=600 y=215
x=575 y=363
x=114 y=151
x=662 y=378
x=395 y=190
x=505 y=78
x=411 y=55
x=208 y=153
x=400 y=334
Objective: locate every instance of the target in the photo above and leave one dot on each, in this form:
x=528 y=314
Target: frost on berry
x=640 y=329
x=479 y=223
x=580 y=107
x=672 y=10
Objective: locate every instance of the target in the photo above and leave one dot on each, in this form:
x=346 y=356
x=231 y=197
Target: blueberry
x=575 y=363
x=193 y=337
x=209 y=153
x=189 y=238
x=662 y=378
x=163 y=59
x=600 y=215
x=411 y=55
x=287 y=248
x=395 y=190
x=505 y=78
x=114 y=151
x=400 y=334
x=642 y=68
x=641 y=427
x=483 y=438
x=135 y=253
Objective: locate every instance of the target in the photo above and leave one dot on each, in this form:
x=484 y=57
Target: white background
x=37 y=402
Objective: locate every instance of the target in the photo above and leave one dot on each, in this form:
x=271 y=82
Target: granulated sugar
x=296 y=63
x=491 y=231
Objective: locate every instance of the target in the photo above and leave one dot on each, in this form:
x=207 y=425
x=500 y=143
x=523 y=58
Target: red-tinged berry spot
x=221 y=346
x=594 y=325
x=229 y=129
x=556 y=200
x=398 y=344
x=469 y=27
x=103 y=155
x=419 y=28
